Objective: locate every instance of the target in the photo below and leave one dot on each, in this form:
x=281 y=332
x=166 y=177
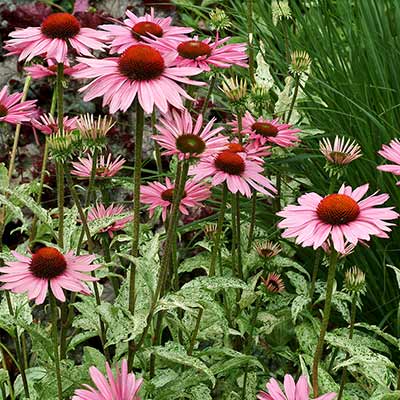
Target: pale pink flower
x=179 y=136
x=99 y=212
x=134 y=29
x=124 y=386
x=38 y=71
x=52 y=38
x=238 y=171
x=292 y=391
x=140 y=71
x=392 y=153
x=340 y=217
x=158 y=195
x=341 y=152
x=12 y=110
x=204 y=53
x=48 y=125
x=48 y=268
x=105 y=168
x=265 y=130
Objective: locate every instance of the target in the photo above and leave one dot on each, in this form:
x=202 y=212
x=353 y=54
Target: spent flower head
x=273 y=283
x=300 y=62
x=280 y=9
x=219 y=20
x=267 y=249
x=354 y=281
x=210 y=230
x=94 y=131
x=236 y=91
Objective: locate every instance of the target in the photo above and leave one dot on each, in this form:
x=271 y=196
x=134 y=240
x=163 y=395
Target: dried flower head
x=93 y=131
x=354 y=281
x=210 y=230
x=268 y=249
x=219 y=20
x=234 y=89
x=300 y=62
x=341 y=152
x=62 y=145
x=274 y=283
x=280 y=9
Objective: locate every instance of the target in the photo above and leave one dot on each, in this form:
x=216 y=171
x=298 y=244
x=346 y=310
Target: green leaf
x=200 y=392
x=215 y=283
x=298 y=305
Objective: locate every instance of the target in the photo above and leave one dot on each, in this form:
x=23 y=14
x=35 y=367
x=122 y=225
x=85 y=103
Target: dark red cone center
x=141 y=63
x=144 y=28
x=60 y=26
x=3 y=111
x=338 y=209
x=229 y=162
x=47 y=263
x=189 y=143
x=168 y=195
x=236 y=148
x=265 y=129
x=193 y=49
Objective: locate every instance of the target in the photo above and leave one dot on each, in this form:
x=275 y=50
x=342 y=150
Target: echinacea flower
x=341 y=152
x=134 y=29
x=51 y=40
x=12 y=110
x=48 y=268
x=273 y=283
x=341 y=217
x=252 y=149
x=93 y=129
x=158 y=195
x=124 y=386
x=179 y=136
x=267 y=249
x=204 y=53
x=100 y=212
x=239 y=172
x=48 y=125
x=292 y=391
x=142 y=72
x=38 y=71
x=392 y=153
x=105 y=168
x=265 y=130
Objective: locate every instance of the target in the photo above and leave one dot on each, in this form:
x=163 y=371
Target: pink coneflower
x=105 y=168
x=179 y=136
x=392 y=153
x=158 y=195
x=99 y=212
x=273 y=283
x=252 y=150
x=239 y=172
x=340 y=217
x=12 y=110
x=268 y=249
x=341 y=152
x=48 y=125
x=204 y=53
x=124 y=386
x=265 y=130
x=140 y=71
x=134 y=29
x=52 y=38
x=38 y=71
x=292 y=391
x=47 y=267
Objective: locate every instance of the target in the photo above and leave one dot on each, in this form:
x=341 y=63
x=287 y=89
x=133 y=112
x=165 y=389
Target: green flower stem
x=157 y=151
x=60 y=97
x=317 y=261
x=250 y=36
x=195 y=332
x=173 y=220
x=252 y=221
x=107 y=258
x=218 y=233
x=294 y=98
x=155 y=342
x=53 y=307
x=60 y=203
x=10 y=386
x=89 y=239
x=136 y=218
x=209 y=92
x=325 y=320
x=238 y=235
x=351 y=332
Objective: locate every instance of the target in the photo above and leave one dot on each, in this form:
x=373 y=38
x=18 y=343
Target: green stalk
x=238 y=235
x=136 y=217
x=10 y=386
x=60 y=97
x=218 y=233
x=325 y=320
x=53 y=307
x=209 y=92
x=317 y=261
x=250 y=37
x=195 y=332
x=352 y=323
x=252 y=221
x=60 y=203
x=107 y=258
x=178 y=193
x=157 y=151
x=295 y=93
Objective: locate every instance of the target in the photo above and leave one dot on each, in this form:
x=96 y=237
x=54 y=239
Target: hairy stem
x=325 y=320
x=252 y=221
x=195 y=332
x=209 y=92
